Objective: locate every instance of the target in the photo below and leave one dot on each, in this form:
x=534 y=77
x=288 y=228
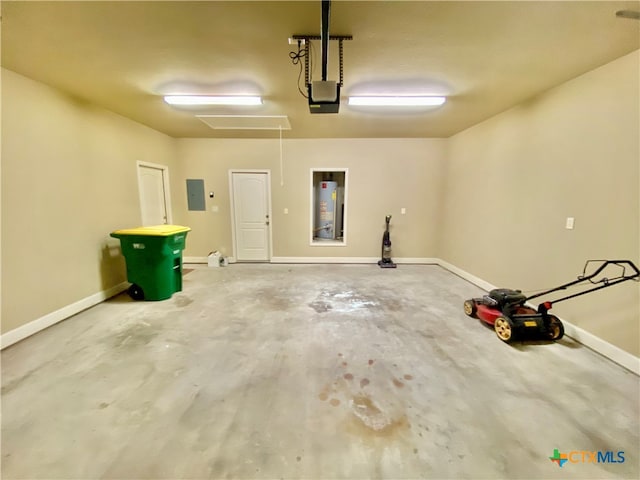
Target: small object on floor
x=214 y=259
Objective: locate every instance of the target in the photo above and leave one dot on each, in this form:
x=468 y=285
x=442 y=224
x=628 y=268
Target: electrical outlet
x=286 y=211
x=403 y=211
x=570 y=222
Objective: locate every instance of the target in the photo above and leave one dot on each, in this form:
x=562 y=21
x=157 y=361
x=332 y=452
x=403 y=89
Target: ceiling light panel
x=207 y=100
x=397 y=101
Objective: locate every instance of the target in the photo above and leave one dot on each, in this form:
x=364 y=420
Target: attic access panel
x=246 y=122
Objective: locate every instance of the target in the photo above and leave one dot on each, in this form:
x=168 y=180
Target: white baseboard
x=604 y=348
x=24 y=331
x=204 y=260
x=595 y=343
x=362 y=260
x=416 y=261
x=466 y=275
x=194 y=260
x=323 y=260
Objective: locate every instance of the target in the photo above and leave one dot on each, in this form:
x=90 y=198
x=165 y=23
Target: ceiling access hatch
x=246 y=122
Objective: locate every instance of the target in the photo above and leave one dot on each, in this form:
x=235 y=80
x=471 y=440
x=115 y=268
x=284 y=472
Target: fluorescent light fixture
x=212 y=100
x=397 y=101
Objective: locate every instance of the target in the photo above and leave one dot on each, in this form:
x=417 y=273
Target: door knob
x=266 y=223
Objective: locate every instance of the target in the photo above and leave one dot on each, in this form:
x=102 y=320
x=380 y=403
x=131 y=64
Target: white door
x=251 y=215
x=152 y=195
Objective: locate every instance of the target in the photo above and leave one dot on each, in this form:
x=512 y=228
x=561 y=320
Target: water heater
x=326 y=213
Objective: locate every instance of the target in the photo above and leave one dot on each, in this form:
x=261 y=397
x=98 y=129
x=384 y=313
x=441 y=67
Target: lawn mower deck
x=506 y=311
x=511 y=317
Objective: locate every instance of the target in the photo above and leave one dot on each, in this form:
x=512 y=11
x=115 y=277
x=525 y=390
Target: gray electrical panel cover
x=195 y=194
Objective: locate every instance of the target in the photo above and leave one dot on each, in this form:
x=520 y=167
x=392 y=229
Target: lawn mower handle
x=606 y=282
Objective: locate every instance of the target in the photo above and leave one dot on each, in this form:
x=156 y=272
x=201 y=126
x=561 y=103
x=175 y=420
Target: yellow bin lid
x=155 y=230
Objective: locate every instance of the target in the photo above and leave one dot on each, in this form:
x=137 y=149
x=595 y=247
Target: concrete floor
x=307 y=371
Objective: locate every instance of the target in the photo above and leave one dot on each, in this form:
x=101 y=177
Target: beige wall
x=68 y=179
x=491 y=200
x=384 y=176
x=512 y=181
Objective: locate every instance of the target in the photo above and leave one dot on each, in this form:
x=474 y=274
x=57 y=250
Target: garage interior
x=311 y=361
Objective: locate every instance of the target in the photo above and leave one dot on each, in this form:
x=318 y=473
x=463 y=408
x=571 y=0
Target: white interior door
x=251 y=215
x=152 y=195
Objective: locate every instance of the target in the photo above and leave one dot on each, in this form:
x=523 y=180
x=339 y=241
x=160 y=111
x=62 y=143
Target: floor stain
x=323 y=396
x=348 y=376
x=369 y=419
x=428 y=336
x=398 y=383
x=391 y=304
x=364 y=382
x=134 y=336
x=103 y=405
x=408 y=377
x=298 y=458
x=278 y=303
x=320 y=306
x=335 y=402
x=371 y=362
x=182 y=300
x=11 y=385
x=272 y=299
x=347 y=300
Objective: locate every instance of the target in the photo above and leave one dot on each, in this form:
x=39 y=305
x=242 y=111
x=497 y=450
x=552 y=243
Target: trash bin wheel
x=135 y=292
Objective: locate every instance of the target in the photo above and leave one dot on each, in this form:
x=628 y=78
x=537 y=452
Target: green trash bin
x=154 y=260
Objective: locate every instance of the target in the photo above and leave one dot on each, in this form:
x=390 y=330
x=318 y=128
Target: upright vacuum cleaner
x=385 y=260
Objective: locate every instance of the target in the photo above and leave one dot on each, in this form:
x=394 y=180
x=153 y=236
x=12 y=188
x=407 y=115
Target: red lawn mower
x=511 y=317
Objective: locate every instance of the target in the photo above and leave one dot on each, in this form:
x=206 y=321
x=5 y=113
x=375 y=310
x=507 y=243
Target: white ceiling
x=485 y=56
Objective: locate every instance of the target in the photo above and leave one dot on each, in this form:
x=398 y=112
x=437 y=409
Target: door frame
x=234 y=247
x=312 y=205
x=165 y=184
